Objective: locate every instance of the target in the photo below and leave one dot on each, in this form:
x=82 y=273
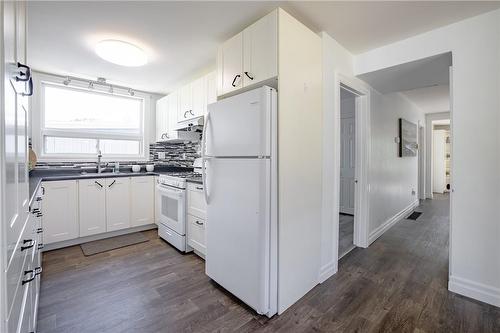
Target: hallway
x=398 y=284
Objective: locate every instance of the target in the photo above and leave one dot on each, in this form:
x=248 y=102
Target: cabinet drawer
x=196 y=201
x=20 y=312
x=196 y=233
x=17 y=263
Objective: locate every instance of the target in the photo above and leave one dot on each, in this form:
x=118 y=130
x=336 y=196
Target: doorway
x=441 y=156
x=348 y=180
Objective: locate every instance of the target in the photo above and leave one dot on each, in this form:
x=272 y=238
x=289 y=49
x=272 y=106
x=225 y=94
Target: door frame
x=421 y=161
x=363 y=148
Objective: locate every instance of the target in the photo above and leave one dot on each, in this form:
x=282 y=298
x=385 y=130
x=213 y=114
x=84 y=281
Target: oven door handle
x=169 y=191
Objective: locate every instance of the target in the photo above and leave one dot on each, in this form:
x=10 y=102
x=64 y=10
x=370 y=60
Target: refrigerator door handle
x=204 y=158
x=204 y=178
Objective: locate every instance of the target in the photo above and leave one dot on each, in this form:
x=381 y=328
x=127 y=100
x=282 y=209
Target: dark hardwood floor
x=398 y=284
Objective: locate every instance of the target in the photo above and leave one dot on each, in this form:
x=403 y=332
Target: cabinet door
x=142 y=201
x=230 y=65
x=260 y=50
x=117 y=203
x=173 y=114
x=196 y=233
x=211 y=88
x=199 y=96
x=196 y=201
x=60 y=207
x=161 y=118
x=92 y=204
x=185 y=103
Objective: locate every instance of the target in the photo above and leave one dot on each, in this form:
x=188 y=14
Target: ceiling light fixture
x=121 y=53
x=67 y=81
x=91 y=85
x=131 y=92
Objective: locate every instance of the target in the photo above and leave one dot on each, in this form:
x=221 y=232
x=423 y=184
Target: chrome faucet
x=99 y=156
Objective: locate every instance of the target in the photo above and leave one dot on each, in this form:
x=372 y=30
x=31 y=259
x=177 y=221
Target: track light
x=131 y=92
x=67 y=81
x=110 y=89
x=91 y=85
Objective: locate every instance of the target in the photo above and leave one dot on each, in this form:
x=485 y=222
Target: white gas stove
x=171 y=206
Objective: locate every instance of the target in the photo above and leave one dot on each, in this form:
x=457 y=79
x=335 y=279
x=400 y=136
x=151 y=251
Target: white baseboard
x=478 y=291
x=390 y=222
x=327 y=271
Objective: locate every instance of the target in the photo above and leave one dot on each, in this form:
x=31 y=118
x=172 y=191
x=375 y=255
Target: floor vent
x=414 y=216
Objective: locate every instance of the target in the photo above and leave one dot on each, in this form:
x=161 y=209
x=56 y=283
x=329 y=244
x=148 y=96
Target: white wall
x=300 y=159
x=475 y=119
x=392 y=178
x=336 y=61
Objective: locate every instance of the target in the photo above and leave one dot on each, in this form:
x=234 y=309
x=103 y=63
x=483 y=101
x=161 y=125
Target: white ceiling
x=430 y=99
x=181 y=38
x=411 y=75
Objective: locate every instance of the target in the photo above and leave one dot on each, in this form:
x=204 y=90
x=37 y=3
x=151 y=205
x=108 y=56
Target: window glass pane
x=67 y=108
x=56 y=145
x=119 y=147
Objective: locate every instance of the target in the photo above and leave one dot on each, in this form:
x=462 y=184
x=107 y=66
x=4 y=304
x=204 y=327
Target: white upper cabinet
x=92 y=209
x=185 y=103
x=199 y=97
x=172 y=115
x=142 y=201
x=166 y=117
x=60 y=211
x=250 y=57
x=162 y=118
x=188 y=102
x=211 y=90
x=117 y=203
x=230 y=65
x=260 y=50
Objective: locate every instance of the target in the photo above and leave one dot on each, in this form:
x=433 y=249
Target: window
x=77 y=123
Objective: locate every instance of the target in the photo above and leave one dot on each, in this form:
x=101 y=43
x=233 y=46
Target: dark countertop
x=38 y=175
x=197 y=180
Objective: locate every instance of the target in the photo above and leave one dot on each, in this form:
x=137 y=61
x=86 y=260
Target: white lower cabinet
x=87 y=207
x=92 y=209
x=196 y=233
x=117 y=203
x=196 y=217
x=60 y=207
x=142 y=201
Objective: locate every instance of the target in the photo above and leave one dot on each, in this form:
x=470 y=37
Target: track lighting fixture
x=67 y=81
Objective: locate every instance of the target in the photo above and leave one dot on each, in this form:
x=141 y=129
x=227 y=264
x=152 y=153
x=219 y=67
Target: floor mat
x=414 y=216
x=112 y=243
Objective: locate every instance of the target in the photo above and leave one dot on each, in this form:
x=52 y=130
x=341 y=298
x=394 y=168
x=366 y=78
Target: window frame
x=39 y=131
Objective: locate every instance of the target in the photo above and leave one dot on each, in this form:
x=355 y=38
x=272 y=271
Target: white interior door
x=347 y=164
x=240 y=125
x=439 y=161
x=238 y=228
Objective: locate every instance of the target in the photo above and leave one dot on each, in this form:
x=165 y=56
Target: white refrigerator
x=239 y=172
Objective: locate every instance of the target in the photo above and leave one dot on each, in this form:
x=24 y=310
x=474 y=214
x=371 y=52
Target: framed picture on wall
x=407 y=138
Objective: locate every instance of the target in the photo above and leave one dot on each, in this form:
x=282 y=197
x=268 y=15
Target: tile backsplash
x=176 y=154
x=180 y=154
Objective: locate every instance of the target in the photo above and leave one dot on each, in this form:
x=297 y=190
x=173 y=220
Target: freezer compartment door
x=240 y=125
x=238 y=228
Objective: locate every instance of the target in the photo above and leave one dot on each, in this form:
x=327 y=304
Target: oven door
x=171 y=208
